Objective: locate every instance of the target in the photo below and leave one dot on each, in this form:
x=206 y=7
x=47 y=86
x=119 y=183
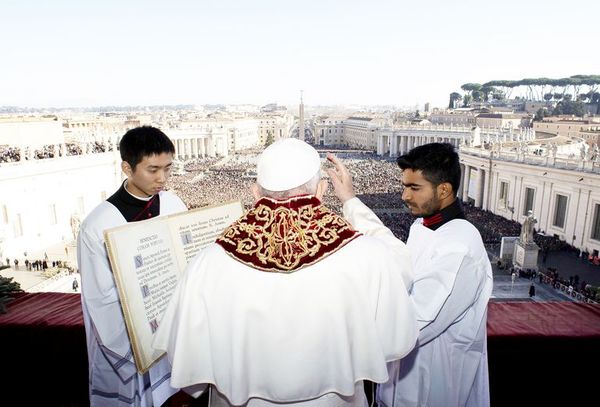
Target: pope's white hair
x=308 y=188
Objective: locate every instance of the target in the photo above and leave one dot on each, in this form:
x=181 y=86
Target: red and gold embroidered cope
x=286 y=235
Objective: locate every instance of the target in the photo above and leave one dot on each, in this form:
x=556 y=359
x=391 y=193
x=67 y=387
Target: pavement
x=507 y=290
x=34 y=281
x=567 y=264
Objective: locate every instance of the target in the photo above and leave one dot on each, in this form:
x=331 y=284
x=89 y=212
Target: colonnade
x=474 y=185
x=397 y=142
x=199 y=146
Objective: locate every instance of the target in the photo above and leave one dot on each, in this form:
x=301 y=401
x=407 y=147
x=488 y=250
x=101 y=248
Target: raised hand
x=340 y=178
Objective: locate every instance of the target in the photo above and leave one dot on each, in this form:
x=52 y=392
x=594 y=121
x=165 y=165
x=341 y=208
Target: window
x=503 y=195
x=529 y=194
x=52 y=214
x=596 y=223
x=560 y=211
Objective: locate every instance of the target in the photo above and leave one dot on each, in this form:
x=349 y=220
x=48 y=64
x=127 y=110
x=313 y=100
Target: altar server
x=452 y=286
x=147 y=155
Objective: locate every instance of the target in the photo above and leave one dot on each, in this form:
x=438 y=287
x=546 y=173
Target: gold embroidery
x=286 y=235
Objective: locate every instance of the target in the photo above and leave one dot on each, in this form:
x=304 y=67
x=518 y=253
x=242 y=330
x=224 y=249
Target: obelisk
x=301 y=120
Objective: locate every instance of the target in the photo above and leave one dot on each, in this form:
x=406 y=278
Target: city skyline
x=74 y=54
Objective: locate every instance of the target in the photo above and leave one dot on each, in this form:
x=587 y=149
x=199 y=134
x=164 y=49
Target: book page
x=147 y=259
x=195 y=232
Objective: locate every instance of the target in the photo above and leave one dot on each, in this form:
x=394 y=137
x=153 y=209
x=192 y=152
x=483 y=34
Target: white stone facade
x=402 y=139
x=455 y=117
x=31 y=132
x=586 y=129
x=276 y=125
x=329 y=131
x=199 y=142
x=562 y=192
x=42 y=198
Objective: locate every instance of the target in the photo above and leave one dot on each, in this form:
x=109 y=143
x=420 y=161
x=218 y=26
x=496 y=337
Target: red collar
x=452 y=211
x=432 y=220
x=286 y=235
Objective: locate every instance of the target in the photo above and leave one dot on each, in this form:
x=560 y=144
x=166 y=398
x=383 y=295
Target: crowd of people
x=9 y=154
x=210 y=180
x=572 y=286
x=376 y=181
x=35 y=265
x=377 y=184
x=13 y=154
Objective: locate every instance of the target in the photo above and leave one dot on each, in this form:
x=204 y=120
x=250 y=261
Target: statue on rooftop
x=554 y=150
x=75 y=223
x=523 y=147
x=583 y=151
x=589 y=155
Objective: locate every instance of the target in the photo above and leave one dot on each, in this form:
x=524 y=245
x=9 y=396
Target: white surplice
x=113 y=378
x=451 y=289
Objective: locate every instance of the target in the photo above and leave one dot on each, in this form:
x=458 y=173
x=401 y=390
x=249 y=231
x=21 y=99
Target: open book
x=147 y=259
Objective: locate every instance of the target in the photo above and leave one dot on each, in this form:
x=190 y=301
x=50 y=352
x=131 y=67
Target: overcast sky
x=134 y=52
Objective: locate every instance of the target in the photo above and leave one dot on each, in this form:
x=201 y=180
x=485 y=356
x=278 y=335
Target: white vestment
x=308 y=338
x=113 y=378
x=451 y=289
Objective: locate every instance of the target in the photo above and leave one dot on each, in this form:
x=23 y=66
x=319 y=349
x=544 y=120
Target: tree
x=570 y=108
x=548 y=97
x=455 y=98
x=470 y=87
x=498 y=95
x=467 y=100
x=487 y=91
x=540 y=114
x=536 y=86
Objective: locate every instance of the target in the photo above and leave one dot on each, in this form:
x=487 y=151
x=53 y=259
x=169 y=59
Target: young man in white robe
x=290 y=306
x=451 y=289
x=147 y=155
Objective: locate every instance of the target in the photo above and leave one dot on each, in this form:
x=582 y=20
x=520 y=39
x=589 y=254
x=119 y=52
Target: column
x=194 y=142
x=485 y=185
x=379 y=144
x=211 y=146
x=479 y=191
x=466 y=180
x=461 y=187
x=177 y=148
x=394 y=146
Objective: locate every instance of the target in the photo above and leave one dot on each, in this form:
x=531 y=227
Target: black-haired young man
x=147 y=155
x=452 y=283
